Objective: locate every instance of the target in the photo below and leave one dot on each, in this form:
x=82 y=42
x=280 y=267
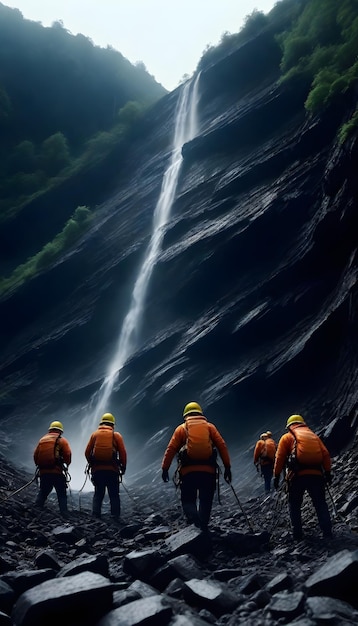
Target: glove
x=328 y=477
x=227 y=474
x=122 y=469
x=276 y=482
x=257 y=466
x=165 y=476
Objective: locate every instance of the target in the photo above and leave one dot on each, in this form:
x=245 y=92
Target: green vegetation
x=349 y=128
x=322 y=48
x=58 y=95
x=68 y=108
x=51 y=252
x=319 y=44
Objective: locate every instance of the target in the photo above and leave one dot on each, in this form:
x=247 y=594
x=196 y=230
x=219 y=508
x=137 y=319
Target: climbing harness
x=21 y=488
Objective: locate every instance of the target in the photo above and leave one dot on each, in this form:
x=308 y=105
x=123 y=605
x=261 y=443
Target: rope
x=21 y=488
x=335 y=510
x=242 y=509
x=86 y=471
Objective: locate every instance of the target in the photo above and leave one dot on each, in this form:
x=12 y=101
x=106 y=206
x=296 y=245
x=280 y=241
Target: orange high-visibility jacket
x=118 y=444
x=64 y=451
x=178 y=440
x=260 y=448
x=286 y=446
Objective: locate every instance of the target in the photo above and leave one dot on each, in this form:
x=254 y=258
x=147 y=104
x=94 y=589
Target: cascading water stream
x=186 y=128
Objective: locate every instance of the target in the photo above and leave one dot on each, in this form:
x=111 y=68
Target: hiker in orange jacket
x=52 y=456
x=194 y=441
x=107 y=457
x=264 y=458
x=302 y=476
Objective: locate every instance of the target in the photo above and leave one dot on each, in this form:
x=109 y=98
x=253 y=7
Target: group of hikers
x=300 y=455
x=306 y=462
x=106 y=457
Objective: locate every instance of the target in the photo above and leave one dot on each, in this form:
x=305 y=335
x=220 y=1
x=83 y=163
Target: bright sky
x=169 y=36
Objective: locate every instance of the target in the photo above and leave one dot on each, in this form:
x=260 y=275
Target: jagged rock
x=327 y=609
x=279 y=583
x=183 y=566
x=338 y=434
x=226 y=574
x=211 y=596
x=247 y=584
x=336 y=578
x=47 y=559
x=349 y=506
x=25 y=579
x=175 y=589
x=141 y=564
x=64 y=600
x=142 y=589
x=189 y=540
x=97 y=564
x=159 y=532
x=124 y=596
x=244 y=544
x=287 y=605
x=5 y=620
x=7 y=597
x=129 y=531
x=153 y=610
x=188 y=620
x=66 y=534
x=261 y=598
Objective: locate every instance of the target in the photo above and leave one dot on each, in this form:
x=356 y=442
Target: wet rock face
x=252 y=304
x=180 y=577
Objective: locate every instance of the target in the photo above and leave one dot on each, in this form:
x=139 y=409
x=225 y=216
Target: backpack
x=268 y=451
x=104 y=449
x=198 y=449
x=307 y=452
x=48 y=452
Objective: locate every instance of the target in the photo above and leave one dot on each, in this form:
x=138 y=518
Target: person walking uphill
x=308 y=465
x=195 y=441
x=107 y=457
x=52 y=454
x=264 y=457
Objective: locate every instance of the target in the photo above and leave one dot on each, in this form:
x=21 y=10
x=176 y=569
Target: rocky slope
x=252 y=307
x=154 y=569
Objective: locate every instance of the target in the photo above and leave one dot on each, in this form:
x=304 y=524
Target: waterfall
x=186 y=127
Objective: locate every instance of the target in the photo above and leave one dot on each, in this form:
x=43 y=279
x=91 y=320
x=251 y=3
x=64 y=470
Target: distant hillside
x=58 y=92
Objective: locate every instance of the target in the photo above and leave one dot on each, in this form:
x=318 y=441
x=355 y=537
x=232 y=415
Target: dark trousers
x=314 y=485
x=49 y=482
x=197 y=492
x=267 y=472
x=103 y=479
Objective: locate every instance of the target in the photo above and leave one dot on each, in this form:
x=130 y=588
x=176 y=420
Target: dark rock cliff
x=252 y=306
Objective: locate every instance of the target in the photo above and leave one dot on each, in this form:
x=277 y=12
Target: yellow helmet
x=108 y=418
x=263 y=435
x=295 y=419
x=56 y=425
x=192 y=407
